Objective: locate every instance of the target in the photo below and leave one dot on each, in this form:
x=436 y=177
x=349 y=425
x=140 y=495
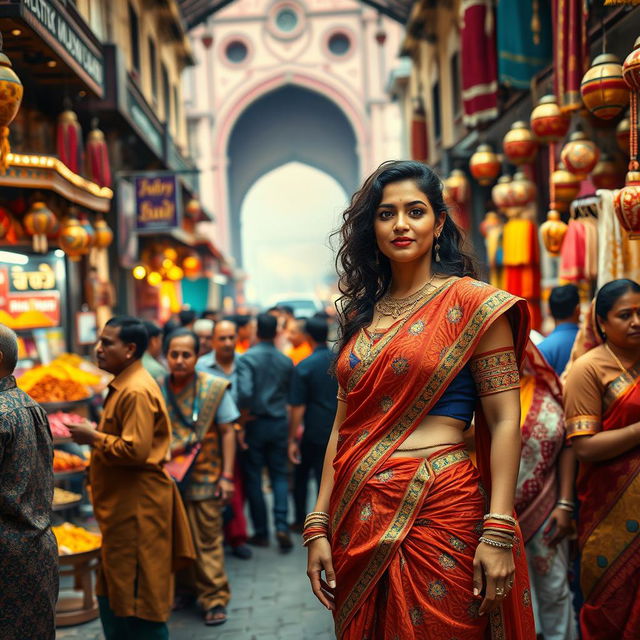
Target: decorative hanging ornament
x=192 y=265
x=519 y=144
x=69 y=140
x=523 y=190
x=606 y=174
x=622 y=135
x=11 y=91
x=39 y=221
x=552 y=232
x=457 y=186
x=627 y=204
x=501 y=193
x=484 y=165
x=73 y=239
x=103 y=236
x=97 y=155
x=580 y=155
x=603 y=90
x=548 y=123
x=491 y=221
x=565 y=187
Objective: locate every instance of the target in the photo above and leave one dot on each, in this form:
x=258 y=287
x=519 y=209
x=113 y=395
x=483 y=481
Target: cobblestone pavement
x=271 y=600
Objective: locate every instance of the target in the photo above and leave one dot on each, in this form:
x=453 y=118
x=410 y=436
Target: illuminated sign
x=158 y=203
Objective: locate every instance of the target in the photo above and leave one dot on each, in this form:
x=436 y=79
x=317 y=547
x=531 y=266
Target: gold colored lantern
x=484 y=165
x=553 y=231
x=457 y=187
x=501 y=193
x=606 y=174
x=74 y=239
x=523 y=190
x=103 y=236
x=39 y=222
x=519 y=144
x=11 y=91
x=631 y=68
x=627 y=204
x=548 y=122
x=564 y=187
x=580 y=155
x=603 y=89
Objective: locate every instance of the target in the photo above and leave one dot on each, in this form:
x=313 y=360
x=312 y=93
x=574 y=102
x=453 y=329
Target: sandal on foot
x=215 y=616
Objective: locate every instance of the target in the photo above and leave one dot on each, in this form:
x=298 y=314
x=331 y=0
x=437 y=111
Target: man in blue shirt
x=312 y=398
x=564 y=303
x=263 y=376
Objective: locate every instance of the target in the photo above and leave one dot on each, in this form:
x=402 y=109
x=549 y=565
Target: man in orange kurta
x=136 y=503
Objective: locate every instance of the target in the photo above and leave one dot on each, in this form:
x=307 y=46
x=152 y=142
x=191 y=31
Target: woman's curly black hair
x=364 y=272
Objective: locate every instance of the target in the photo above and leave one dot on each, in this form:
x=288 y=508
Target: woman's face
x=622 y=324
x=405 y=223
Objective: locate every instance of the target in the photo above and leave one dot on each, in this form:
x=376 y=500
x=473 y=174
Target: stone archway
x=289 y=124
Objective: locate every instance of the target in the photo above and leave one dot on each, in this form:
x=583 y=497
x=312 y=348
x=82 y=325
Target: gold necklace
x=396 y=307
x=615 y=357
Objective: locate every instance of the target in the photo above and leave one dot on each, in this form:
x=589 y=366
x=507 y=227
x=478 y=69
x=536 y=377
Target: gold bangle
x=495 y=543
x=500 y=516
x=312 y=538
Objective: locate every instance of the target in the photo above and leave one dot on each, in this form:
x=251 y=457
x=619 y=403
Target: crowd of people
x=469 y=482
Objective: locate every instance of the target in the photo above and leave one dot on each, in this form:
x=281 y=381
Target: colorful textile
x=205 y=473
x=524 y=41
x=571 y=55
x=381 y=508
x=609 y=494
x=542 y=427
x=478 y=62
x=28 y=549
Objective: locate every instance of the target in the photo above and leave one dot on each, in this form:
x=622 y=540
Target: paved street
x=271 y=601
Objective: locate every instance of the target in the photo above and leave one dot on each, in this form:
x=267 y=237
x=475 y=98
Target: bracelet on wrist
x=227 y=476
x=500 y=516
x=495 y=543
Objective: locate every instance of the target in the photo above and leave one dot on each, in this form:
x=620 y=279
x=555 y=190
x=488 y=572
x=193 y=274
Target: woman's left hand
x=496 y=567
x=226 y=490
x=559 y=527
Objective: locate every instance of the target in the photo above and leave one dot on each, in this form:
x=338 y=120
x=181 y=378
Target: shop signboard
x=158 y=203
x=30 y=290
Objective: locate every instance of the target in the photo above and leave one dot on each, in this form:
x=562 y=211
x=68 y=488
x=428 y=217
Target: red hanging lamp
x=69 y=139
x=97 y=155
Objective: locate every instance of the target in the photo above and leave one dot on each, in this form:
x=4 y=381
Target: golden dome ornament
x=39 y=221
x=11 y=91
x=501 y=193
x=457 y=186
x=565 y=186
x=553 y=231
x=484 y=165
x=548 y=123
x=626 y=204
x=603 y=89
x=580 y=155
x=519 y=144
x=73 y=239
x=523 y=190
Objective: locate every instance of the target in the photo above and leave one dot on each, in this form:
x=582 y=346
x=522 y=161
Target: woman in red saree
x=602 y=409
x=401 y=508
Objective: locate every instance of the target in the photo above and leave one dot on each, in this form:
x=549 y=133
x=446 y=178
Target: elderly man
x=145 y=532
x=28 y=550
x=203 y=328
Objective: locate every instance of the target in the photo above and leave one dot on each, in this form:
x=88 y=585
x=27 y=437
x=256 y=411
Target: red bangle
x=227 y=476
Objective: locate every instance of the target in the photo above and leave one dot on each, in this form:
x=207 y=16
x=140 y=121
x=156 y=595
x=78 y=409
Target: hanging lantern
x=606 y=174
x=98 y=167
x=565 y=187
x=192 y=265
x=5 y=222
x=580 y=155
x=631 y=68
x=11 y=91
x=38 y=222
x=491 y=221
x=484 y=165
x=552 y=232
x=628 y=195
x=548 y=122
x=457 y=187
x=419 y=132
x=74 y=239
x=627 y=204
x=103 y=236
x=523 y=190
x=519 y=144
x=603 y=90
x=193 y=210
x=69 y=140
x=86 y=223
x=501 y=193
x=623 y=134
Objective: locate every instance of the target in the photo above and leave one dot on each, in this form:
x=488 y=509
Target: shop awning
x=47 y=172
x=196 y=11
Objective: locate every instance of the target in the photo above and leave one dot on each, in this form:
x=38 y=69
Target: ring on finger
x=499 y=591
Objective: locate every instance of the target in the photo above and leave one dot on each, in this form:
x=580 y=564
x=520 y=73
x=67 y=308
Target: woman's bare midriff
x=432 y=434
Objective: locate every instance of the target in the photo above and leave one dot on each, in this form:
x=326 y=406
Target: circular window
x=339 y=44
x=236 y=51
x=287 y=20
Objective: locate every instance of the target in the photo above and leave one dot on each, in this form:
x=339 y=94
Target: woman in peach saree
x=413 y=539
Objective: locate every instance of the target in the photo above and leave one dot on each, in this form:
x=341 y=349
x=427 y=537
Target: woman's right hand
x=319 y=560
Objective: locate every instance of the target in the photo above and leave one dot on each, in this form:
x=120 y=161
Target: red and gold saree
x=404 y=530
x=609 y=518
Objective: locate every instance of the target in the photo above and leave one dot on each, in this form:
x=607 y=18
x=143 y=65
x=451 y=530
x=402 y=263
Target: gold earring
x=437 y=249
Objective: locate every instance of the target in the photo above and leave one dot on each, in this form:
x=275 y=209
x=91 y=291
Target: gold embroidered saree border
x=586 y=425
x=386 y=544
x=438 y=379
x=618 y=387
x=212 y=398
x=365 y=363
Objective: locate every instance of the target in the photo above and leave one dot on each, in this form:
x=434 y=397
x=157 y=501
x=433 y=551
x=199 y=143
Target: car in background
x=304 y=306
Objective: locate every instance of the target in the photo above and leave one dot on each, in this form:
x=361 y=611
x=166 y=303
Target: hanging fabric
x=69 y=140
x=97 y=154
x=478 y=62
x=419 y=133
x=524 y=40
x=571 y=54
